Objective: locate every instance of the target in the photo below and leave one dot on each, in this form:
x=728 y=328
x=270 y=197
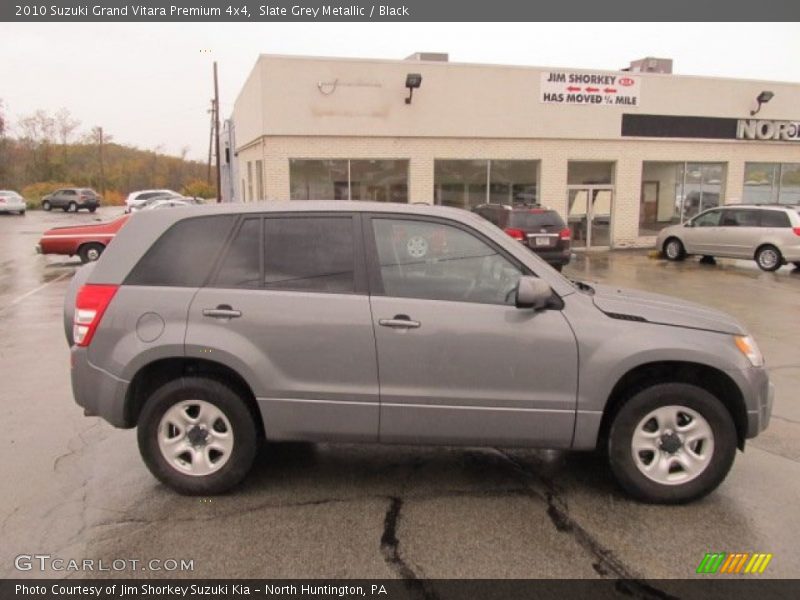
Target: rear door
x=287 y=308
x=741 y=228
x=458 y=362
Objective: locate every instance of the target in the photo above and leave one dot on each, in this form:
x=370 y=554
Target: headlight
x=747 y=346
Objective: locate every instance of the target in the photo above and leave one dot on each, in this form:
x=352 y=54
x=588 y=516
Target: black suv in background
x=540 y=229
x=72 y=199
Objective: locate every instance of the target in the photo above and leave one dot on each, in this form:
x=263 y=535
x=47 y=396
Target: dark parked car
x=72 y=200
x=213 y=329
x=540 y=229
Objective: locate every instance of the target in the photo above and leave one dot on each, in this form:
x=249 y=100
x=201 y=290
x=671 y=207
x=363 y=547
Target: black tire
x=768 y=258
x=635 y=409
x=235 y=409
x=558 y=268
x=46 y=205
x=796 y=265
x=673 y=249
x=22 y=213
x=92 y=209
x=90 y=252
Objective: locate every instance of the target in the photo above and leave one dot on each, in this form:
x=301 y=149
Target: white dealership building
x=620 y=154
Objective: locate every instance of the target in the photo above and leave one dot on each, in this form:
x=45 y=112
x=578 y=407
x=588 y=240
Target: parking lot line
x=32 y=292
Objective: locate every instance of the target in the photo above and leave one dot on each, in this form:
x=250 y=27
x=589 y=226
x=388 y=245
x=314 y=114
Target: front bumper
x=758 y=393
x=100 y=393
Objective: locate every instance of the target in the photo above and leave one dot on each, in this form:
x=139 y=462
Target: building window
x=673 y=192
x=468 y=183
x=249 y=195
x=260 y=179
x=772 y=183
x=357 y=179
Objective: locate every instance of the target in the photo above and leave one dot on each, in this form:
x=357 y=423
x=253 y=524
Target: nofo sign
x=758 y=129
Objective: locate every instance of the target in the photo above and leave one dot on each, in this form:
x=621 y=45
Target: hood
x=636 y=305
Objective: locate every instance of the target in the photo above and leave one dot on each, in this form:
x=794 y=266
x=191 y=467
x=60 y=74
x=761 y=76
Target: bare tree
x=38 y=134
x=66 y=126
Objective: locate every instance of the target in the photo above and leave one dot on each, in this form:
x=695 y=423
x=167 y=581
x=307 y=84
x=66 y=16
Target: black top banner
x=398 y=10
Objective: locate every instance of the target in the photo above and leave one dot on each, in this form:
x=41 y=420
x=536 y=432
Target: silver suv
x=214 y=328
x=768 y=234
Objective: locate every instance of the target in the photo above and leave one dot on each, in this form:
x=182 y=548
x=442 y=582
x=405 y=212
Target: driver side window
x=709 y=219
x=434 y=261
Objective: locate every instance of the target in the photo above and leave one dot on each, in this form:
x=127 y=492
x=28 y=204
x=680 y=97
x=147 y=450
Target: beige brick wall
x=554 y=155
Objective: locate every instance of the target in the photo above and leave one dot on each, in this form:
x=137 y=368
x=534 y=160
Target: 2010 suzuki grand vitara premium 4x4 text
x=214 y=328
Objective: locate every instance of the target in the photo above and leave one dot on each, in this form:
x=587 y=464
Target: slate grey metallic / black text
x=213 y=328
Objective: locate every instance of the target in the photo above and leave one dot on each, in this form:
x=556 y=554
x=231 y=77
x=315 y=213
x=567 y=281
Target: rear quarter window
x=185 y=254
x=774 y=218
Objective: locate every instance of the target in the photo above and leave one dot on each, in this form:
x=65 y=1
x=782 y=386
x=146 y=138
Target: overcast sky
x=150 y=85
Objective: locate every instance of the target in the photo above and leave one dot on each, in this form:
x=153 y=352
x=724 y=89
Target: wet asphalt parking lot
x=74 y=487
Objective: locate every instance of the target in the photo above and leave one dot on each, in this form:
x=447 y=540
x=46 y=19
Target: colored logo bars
x=734 y=563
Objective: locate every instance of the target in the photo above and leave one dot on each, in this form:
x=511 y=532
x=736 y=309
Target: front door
x=288 y=309
x=589 y=216
x=458 y=363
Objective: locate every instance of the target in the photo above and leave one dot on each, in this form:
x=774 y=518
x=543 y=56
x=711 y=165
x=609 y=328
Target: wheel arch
x=709 y=378
x=155 y=374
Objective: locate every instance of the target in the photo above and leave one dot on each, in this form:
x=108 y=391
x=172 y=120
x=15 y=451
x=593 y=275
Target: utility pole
x=216 y=133
x=102 y=166
x=210 y=142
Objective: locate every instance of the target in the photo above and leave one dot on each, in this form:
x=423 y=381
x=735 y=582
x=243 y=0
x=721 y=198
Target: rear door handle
x=399 y=322
x=223 y=311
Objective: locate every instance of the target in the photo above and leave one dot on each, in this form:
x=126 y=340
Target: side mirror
x=533 y=292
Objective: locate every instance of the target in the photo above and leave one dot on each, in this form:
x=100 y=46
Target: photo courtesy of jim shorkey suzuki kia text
x=192 y=590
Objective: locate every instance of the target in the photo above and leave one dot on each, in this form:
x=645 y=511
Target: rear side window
x=184 y=255
x=774 y=218
x=312 y=254
x=241 y=267
x=536 y=219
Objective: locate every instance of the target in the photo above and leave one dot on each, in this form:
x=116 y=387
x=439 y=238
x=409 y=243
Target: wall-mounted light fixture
x=413 y=81
x=762 y=98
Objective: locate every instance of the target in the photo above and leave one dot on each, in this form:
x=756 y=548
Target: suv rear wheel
x=197 y=436
x=671 y=443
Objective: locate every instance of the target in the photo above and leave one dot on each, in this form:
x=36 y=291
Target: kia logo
x=626 y=81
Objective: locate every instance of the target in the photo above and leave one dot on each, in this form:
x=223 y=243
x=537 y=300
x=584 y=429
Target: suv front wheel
x=197 y=436
x=671 y=443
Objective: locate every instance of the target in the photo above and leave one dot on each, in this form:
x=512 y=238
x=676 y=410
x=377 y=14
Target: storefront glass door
x=589 y=216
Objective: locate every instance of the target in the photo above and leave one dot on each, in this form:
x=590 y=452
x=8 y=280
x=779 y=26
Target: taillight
x=796 y=230
x=517 y=234
x=91 y=303
x=565 y=234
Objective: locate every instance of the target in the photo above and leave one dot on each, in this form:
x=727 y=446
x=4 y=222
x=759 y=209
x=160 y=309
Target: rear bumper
x=99 y=393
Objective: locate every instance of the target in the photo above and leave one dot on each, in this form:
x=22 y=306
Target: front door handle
x=399 y=322
x=223 y=311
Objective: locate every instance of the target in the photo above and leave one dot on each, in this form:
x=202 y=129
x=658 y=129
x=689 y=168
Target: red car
x=87 y=241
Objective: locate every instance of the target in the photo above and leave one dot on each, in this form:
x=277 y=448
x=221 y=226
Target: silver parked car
x=768 y=234
x=210 y=330
x=11 y=202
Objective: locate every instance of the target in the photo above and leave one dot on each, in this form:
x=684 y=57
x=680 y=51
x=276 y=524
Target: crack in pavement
x=607 y=564
x=390 y=548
